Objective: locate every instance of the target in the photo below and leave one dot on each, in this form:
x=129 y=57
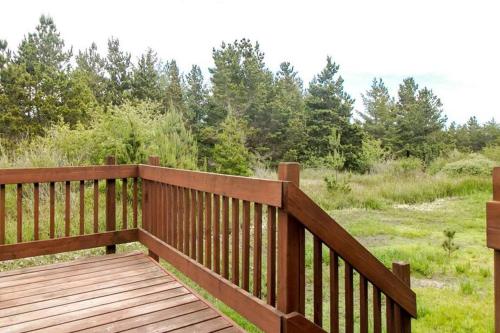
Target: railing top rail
x=318 y=222
x=60 y=174
x=258 y=190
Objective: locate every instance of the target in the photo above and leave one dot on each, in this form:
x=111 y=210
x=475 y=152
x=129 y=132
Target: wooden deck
x=114 y=293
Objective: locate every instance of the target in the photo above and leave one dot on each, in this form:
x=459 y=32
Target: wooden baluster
x=225 y=237
x=171 y=208
x=363 y=304
x=271 y=255
x=389 y=315
x=235 y=233
x=161 y=208
x=208 y=230
x=82 y=207
x=135 y=201
x=377 y=311
x=291 y=251
x=151 y=208
x=110 y=205
x=166 y=209
x=257 y=250
x=193 y=224
x=349 y=298
x=180 y=219
x=318 y=281
x=67 y=209
x=2 y=214
x=96 y=206
x=216 y=235
x=187 y=212
x=19 y=213
x=245 y=241
x=334 y=292
x=124 y=203
x=402 y=320
x=36 y=211
x=175 y=222
x=199 y=244
x=52 y=200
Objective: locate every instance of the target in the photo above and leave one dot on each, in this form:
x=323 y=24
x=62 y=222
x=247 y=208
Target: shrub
x=334 y=185
x=475 y=165
x=492 y=153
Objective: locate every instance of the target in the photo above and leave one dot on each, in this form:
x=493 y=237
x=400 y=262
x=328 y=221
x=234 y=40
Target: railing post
x=401 y=320
x=291 y=253
x=493 y=241
x=110 y=205
x=152 y=207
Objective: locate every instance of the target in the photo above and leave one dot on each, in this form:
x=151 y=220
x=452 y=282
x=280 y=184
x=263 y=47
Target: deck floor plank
x=112 y=293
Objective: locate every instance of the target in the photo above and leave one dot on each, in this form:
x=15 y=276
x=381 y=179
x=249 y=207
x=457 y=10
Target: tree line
x=243 y=115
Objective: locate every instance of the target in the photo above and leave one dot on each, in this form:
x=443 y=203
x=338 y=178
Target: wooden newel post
x=110 y=204
x=291 y=253
x=152 y=205
x=401 y=319
x=493 y=240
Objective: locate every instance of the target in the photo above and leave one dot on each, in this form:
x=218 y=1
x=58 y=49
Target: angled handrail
x=319 y=223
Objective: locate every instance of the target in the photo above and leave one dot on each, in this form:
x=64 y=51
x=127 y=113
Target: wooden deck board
x=113 y=293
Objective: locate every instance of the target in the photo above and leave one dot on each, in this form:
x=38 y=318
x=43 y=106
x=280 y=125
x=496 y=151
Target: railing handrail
x=319 y=223
x=264 y=191
x=66 y=173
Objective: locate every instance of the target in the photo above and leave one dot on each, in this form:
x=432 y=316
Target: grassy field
x=401 y=216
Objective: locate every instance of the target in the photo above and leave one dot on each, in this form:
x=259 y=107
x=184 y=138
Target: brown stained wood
x=318 y=281
x=52 y=211
x=402 y=320
x=96 y=206
x=245 y=243
x=124 y=203
x=135 y=201
x=208 y=230
x=253 y=309
x=225 y=237
x=334 y=293
x=296 y=323
x=193 y=224
x=363 y=305
x=291 y=250
x=67 y=209
x=175 y=221
x=257 y=251
x=187 y=212
x=493 y=224
x=389 y=315
x=271 y=255
x=496 y=184
x=110 y=204
x=36 y=211
x=199 y=241
x=19 y=213
x=216 y=234
x=2 y=214
x=180 y=219
x=496 y=286
x=213 y=325
x=377 y=311
x=82 y=207
x=64 y=174
x=244 y=188
x=349 y=298
x=235 y=233
x=74 y=243
x=337 y=238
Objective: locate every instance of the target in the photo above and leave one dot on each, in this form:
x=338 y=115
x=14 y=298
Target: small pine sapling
x=449 y=244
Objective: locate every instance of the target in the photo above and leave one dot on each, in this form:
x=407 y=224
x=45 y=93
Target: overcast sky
x=452 y=47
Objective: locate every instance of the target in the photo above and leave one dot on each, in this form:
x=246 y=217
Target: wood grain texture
x=244 y=188
x=19 y=213
x=36 y=211
x=245 y=243
x=296 y=323
x=2 y=214
x=257 y=250
x=271 y=255
x=317 y=281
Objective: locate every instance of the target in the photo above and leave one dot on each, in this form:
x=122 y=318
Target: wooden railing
x=493 y=240
x=242 y=239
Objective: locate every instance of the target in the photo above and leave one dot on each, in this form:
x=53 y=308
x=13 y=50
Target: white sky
x=450 y=46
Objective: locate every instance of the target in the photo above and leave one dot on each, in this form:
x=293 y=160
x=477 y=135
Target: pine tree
x=93 y=67
x=119 y=71
x=330 y=107
x=379 y=118
x=173 y=95
x=196 y=97
x=146 y=78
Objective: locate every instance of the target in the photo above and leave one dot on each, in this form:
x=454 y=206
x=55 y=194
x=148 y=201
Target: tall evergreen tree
x=196 y=97
x=119 y=70
x=146 y=78
x=379 y=118
x=174 y=95
x=93 y=68
x=329 y=108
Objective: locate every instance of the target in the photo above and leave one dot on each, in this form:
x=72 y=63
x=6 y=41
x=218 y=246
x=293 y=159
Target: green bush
x=475 y=165
x=492 y=153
